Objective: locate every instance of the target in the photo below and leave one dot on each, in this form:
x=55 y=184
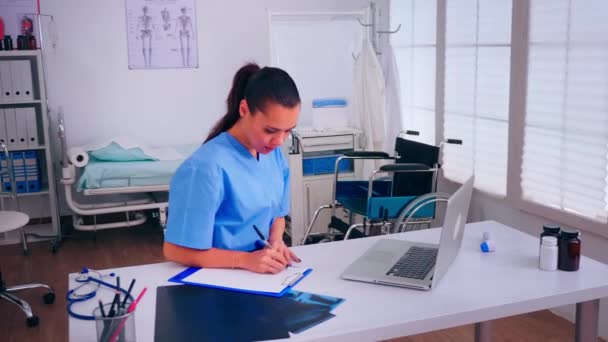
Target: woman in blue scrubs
x=237 y=179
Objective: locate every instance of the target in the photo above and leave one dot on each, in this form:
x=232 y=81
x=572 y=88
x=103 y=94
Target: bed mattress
x=103 y=174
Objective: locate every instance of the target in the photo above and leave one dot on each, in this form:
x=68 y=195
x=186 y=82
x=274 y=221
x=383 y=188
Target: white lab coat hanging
x=393 y=121
x=369 y=102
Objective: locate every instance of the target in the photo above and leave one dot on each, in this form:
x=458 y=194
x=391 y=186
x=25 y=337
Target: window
x=565 y=149
x=414 y=48
x=556 y=126
x=476 y=105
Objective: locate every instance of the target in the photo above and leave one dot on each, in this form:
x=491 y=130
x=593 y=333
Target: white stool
x=9 y=221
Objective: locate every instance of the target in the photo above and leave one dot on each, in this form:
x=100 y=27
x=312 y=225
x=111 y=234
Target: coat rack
x=372 y=6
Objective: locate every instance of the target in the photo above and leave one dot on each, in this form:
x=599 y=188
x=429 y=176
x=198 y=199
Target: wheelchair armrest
x=367 y=154
x=404 y=167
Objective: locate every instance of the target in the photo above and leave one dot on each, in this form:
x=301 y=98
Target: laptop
x=416 y=265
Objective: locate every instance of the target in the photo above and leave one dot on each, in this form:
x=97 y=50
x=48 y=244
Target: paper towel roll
x=78 y=157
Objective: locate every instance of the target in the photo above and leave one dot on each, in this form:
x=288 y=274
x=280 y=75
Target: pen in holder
x=121 y=326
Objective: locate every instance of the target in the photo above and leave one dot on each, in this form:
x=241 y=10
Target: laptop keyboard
x=415 y=263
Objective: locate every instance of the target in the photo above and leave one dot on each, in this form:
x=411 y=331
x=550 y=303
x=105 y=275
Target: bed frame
x=149 y=202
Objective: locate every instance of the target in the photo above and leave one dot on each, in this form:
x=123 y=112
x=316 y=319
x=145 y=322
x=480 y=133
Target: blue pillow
x=115 y=152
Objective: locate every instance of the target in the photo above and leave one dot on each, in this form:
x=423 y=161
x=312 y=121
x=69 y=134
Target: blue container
x=32 y=171
x=322 y=165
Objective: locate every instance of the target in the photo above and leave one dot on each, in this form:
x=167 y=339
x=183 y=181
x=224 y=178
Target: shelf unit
x=23 y=70
x=309 y=191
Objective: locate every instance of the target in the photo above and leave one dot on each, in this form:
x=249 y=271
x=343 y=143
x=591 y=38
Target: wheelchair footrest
x=342 y=226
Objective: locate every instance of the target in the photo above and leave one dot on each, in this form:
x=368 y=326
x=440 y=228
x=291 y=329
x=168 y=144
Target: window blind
x=414 y=47
x=565 y=153
x=476 y=106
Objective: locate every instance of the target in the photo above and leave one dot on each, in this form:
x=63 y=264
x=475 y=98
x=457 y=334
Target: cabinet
x=311 y=156
x=318 y=192
x=24 y=129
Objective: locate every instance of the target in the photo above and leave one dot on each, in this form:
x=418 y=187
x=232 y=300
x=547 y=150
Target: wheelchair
x=403 y=199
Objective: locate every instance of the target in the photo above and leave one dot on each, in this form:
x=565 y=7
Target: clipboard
x=274 y=285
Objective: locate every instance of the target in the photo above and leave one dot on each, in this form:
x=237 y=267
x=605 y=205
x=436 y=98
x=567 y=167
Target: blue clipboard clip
x=292 y=279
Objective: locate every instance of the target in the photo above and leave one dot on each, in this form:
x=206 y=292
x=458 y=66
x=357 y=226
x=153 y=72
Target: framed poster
x=161 y=34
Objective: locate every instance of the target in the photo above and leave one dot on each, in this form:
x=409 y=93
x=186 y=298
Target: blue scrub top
x=221 y=191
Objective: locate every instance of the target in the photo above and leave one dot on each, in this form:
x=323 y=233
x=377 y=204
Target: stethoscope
x=88 y=289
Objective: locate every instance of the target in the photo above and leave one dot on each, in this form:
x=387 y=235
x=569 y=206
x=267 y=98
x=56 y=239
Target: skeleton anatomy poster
x=161 y=34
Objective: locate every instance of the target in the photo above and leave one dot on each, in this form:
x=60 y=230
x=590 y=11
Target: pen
x=118 y=290
x=112 y=312
x=266 y=243
x=128 y=293
x=131 y=308
x=103 y=313
x=106 y=323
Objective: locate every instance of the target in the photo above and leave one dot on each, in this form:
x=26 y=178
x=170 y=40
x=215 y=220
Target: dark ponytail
x=257 y=86
x=236 y=94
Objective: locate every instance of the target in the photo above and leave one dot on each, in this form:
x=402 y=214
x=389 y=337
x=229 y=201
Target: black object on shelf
x=32 y=42
x=8 y=43
x=22 y=43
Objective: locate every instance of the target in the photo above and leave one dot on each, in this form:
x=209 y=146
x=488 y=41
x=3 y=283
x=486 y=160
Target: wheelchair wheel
x=49 y=298
x=32 y=321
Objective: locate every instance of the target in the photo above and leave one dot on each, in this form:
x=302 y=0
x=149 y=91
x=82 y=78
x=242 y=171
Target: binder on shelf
x=32 y=126
x=5 y=183
x=20 y=120
x=20 y=73
x=1 y=83
x=11 y=127
x=274 y=285
x=14 y=69
x=5 y=82
x=25 y=73
x=3 y=138
x=19 y=171
x=32 y=171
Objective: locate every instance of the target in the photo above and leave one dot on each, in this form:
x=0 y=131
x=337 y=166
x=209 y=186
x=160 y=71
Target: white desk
x=477 y=288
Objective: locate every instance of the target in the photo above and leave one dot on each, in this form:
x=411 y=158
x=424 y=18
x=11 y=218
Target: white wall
x=88 y=75
x=485 y=207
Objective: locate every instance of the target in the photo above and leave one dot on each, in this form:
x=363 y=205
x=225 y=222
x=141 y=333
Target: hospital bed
x=127 y=187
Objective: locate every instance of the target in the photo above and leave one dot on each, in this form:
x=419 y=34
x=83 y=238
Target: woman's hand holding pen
x=275 y=256
x=266 y=260
x=281 y=248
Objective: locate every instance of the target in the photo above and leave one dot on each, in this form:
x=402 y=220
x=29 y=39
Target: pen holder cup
x=119 y=328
